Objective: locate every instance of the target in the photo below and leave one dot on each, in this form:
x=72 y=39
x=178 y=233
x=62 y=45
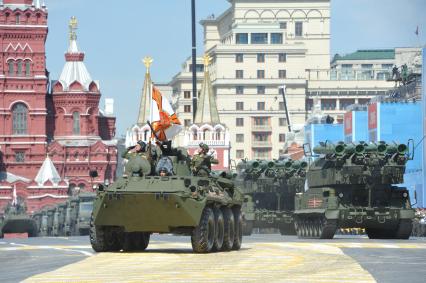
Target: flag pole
x=194 y=63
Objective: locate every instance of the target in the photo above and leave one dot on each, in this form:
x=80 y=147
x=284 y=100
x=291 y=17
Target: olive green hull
x=148 y=212
x=19 y=224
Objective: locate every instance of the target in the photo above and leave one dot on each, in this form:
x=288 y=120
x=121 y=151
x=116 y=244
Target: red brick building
x=63 y=123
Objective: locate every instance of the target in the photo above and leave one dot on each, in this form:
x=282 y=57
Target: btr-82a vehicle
x=142 y=202
x=354 y=186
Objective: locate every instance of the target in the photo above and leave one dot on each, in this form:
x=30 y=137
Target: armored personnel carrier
x=16 y=220
x=269 y=188
x=353 y=186
x=142 y=202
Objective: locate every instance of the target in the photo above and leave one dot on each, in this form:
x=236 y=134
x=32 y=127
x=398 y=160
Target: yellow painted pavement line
x=255 y=262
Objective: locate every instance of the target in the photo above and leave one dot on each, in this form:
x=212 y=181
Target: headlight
x=341 y=195
x=405 y=194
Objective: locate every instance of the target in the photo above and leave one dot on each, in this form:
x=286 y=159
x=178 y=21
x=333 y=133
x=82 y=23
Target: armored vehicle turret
x=163 y=196
x=353 y=186
x=269 y=188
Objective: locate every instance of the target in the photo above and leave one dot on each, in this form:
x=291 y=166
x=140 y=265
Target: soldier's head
x=140 y=146
x=164 y=172
x=204 y=148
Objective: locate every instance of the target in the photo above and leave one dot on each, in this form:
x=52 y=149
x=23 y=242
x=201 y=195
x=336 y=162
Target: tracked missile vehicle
x=269 y=188
x=142 y=202
x=353 y=186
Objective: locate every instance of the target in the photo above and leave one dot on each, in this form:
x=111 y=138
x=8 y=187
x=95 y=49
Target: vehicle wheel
x=247 y=228
x=143 y=240
x=204 y=234
x=238 y=232
x=219 y=229
x=404 y=229
x=102 y=239
x=229 y=231
x=132 y=242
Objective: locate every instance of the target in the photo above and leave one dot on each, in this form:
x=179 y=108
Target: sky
x=117 y=34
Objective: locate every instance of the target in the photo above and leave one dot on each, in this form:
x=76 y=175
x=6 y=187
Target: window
x=187 y=108
x=276 y=38
x=240 y=138
x=367 y=66
x=260 y=89
x=259 y=38
x=347 y=66
x=239 y=122
x=328 y=104
x=239 y=58
x=309 y=104
x=298 y=29
x=240 y=154
x=344 y=103
x=282 y=74
x=282 y=57
x=261 y=106
x=261 y=153
x=19 y=63
x=260 y=74
x=187 y=122
x=239 y=74
x=11 y=68
x=20 y=156
x=363 y=101
x=283 y=25
x=242 y=38
x=282 y=122
x=281 y=138
x=261 y=121
x=20 y=116
x=281 y=106
x=27 y=68
x=187 y=94
x=260 y=58
x=76 y=123
x=263 y=137
x=18 y=19
x=387 y=66
x=239 y=89
x=240 y=106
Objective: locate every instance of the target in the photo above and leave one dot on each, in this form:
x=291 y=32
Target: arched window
x=218 y=133
x=11 y=68
x=27 y=68
x=18 y=19
x=19 y=63
x=194 y=135
x=146 y=135
x=20 y=114
x=206 y=135
x=76 y=123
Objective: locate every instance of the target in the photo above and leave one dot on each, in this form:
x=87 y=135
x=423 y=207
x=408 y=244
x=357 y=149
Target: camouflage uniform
x=201 y=163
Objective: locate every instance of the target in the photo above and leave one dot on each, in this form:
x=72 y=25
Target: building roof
x=47 y=172
x=144 y=107
x=207 y=108
x=23 y=4
x=11 y=178
x=371 y=54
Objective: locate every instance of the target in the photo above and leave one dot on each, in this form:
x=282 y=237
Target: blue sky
x=116 y=34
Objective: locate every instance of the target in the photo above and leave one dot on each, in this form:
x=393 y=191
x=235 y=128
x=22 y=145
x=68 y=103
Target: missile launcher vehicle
x=269 y=188
x=141 y=202
x=353 y=186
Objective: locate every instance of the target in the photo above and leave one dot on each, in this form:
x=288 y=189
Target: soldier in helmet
x=201 y=163
x=138 y=150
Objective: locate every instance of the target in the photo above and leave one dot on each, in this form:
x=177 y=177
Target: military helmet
x=142 y=144
x=204 y=146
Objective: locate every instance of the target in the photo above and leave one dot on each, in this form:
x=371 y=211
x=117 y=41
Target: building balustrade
x=267 y=128
x=261 y=144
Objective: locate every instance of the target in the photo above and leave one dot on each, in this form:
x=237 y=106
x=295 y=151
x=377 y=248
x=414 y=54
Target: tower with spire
x=77 y=127
x=207 y=127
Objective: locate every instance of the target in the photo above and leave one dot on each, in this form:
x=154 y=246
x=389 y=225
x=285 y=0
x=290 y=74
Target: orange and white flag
x=164 y=120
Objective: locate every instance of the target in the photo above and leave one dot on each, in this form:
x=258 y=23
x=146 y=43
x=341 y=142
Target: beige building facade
x=259 y=46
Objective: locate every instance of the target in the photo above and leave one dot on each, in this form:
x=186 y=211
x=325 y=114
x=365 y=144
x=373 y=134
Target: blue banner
x=421 y=195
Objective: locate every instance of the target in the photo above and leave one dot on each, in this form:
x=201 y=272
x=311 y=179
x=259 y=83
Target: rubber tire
x=229 y=231
x=219 y=229
x=404 y=230
x=202 y=238
x=102 y=239
x=135 y=241
x=238 y=232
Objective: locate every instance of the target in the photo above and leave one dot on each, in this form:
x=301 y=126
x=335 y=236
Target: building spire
x=144 y=107
x=207 y=109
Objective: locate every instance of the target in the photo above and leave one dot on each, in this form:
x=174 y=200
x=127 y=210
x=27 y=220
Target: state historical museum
x=52 y=133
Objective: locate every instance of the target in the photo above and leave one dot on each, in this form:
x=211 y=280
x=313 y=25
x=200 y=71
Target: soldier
x=138 y=149
x=201 y=163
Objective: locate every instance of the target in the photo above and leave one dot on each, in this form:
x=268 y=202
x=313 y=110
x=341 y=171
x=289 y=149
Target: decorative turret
x=75 y=76
x=47 y=173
